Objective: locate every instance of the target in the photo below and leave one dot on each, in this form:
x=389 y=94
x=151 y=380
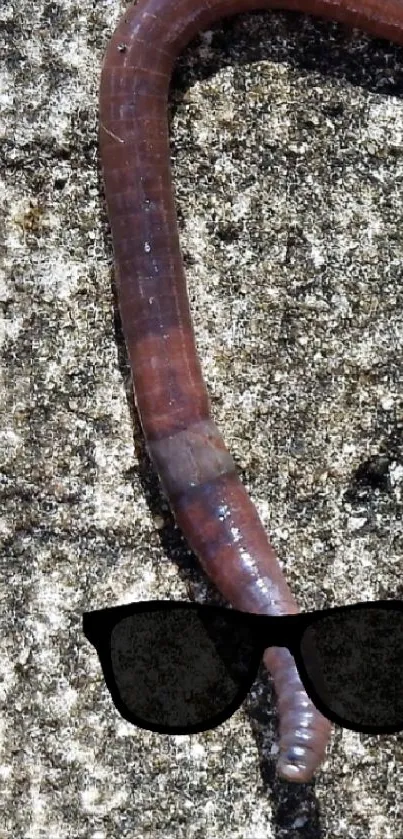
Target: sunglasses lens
x=179 y=668
x=354 y=659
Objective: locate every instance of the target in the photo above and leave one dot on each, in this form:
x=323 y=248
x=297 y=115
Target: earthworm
x=197 y=472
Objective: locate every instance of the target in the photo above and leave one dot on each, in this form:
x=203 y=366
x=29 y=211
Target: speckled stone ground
x=287 y=145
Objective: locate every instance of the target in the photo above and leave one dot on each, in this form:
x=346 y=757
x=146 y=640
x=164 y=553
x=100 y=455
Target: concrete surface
x=287 y=139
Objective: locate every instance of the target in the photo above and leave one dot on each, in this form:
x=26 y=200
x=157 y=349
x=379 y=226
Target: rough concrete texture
x=287 y=147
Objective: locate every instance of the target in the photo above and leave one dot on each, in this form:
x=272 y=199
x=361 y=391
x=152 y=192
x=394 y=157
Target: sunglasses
x=180 y=668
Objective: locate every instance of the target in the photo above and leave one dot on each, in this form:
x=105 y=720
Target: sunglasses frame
x=282 y=631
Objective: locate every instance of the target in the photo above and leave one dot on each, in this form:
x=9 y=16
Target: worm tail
x=304 y=732
x=222 y=526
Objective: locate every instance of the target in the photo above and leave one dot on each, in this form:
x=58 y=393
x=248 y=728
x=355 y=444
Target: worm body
x=198 y=474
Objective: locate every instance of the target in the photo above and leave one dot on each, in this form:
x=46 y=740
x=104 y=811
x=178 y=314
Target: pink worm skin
x=197 y=472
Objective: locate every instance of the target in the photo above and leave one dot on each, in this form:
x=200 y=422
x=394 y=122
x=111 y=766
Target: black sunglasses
x=179 y=668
